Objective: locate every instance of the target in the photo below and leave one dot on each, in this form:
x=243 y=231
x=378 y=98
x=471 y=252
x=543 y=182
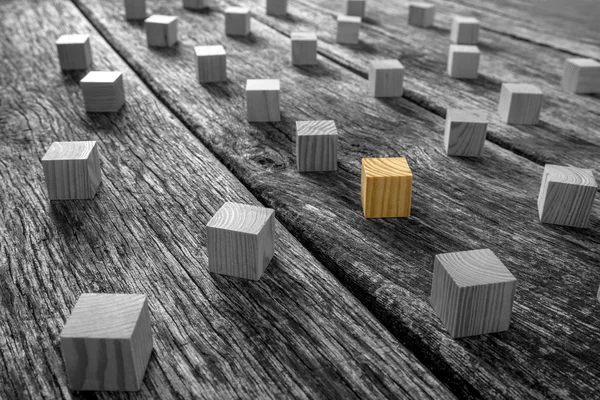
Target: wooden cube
x=316 y=146
x=74 y=52
x=72 y=170
x=135 y=9
x=465 y=133
x=262 y=99
x=103 y=91
x=240 y=240
x=107 y=341
x=277 y=7
x=581 y=75
x=386 y=187
x=197 y=4
x=356 y=8
x=520 y=103
x=237 y=21
x=348 y=29
x=472 y=292
x=463 y=61
x=465 y=30
x=304 y=48
x=566 y=196
x=161 y=30
x=421 y=14
x=386 y=78
x=211 y=63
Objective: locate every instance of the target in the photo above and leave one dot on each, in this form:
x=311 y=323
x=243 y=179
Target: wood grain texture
x=356 y=8
x=463 y=61
x=464 y=133
x=103 y=91
x=74 y=52
x=464 y=30
x=457 y=203
x=581 y=75
x=262 y=100
x=304 y=48
x=135 y=9
x=566 y=196
x=386 y=78
x=421 y=14
x=520 y=103
x=161 y=30
x=237 y=21
x=316 y=146
x=295 y=333
x=277 y=7
x=472 y=292
x=348 y=29
x=211 y=63
x=106 y=342
x=386 y=187
x=240 y=240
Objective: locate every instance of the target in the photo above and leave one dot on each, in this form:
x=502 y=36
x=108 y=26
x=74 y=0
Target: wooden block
x=421 y=14
x=463 y=61
x=74 y=52
x=316 y=146
x=161 y=30
x=356 y=8
x=103 y=91
x=566 y=196
x=211 y=63
x=386 y=187
x=237 y=21
x=197 y=4
x=240 y=240
x=277 y=7
x=581 y=75
x=262 y=99
x=348 y=29
x=135 y=9
x=386 y=78
x=107 y=341
x=465 y=132
x=304 y=48
x=72 y=170
x=465 y=30
x=472 y=292
x=520 y=103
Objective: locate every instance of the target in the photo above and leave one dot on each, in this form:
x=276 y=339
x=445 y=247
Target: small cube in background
x=472 y=292
x=107 y=341
x=103 y=91
x=465 y=133
x=161 y=30
x=465 y=30
x=240 y=240
x=304 y=48
x=316 y=146
x=520 y=103
x=566 y=196
x=72 y=170
x=211 y=63
x=386 y=187
x=356 y=8
x=277 y=7
x=463 y=61
x=348 y=29
x=262 y=98
x=421 y=14
x=74 y=52
x=135 y=9
x=237 y=21
x=581 y=75
x=197 y=4
x=386 y=78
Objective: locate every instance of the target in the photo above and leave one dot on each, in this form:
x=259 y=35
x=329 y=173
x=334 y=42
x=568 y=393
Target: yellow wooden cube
x=386 y=187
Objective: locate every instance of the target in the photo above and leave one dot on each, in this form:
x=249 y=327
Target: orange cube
x=386 y=187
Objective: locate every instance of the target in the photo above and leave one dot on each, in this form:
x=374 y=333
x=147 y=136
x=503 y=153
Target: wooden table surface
x=343 y=309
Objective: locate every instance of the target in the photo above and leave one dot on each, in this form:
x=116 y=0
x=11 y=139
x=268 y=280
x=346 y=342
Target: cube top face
x=101 y=77
x=583 y=62
x=216 y=50
x=237 y=10
x=475 y=267
x=64 y=151
x=464 y=48
x=387 y=64
x=421 y=5
x=471 y=116
x=304 y=36
x=386 y=167
x=349 y=19
x=73 y=39
x=465 y=20
x=242 y=218
x=313 y=128
x=262 y=85
x=521 y=88
x=104 y=316
x=160 y=19
x=569 y=175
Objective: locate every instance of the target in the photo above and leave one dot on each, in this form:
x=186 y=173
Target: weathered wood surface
x=295 y=333
x=569 y=124
x=458 y=204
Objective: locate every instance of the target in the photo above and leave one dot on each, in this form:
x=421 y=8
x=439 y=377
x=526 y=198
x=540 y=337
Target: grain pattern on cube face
x=277 y=7
x=103 y=91
x=472 y=292
x=465 y=132
x=262 y=100
x=463 y=61
x=520 y=103
x=316 y=146
x=465 y=30
x=74 y=52
x=197 y=4
x=421 y=14
x=386 y=78
x=581 y=75
x=386 y=187
x=135 y=9
x=566 y=196
x=107 y=341
x=211 y=63
x=72 y=170
x=237 y=21
x=348 y=29
x=161 y=30
x=304 y=48
x=356 y=8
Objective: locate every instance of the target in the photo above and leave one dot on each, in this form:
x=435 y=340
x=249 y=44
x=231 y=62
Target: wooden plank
x=295 y=333
x=458 y=204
